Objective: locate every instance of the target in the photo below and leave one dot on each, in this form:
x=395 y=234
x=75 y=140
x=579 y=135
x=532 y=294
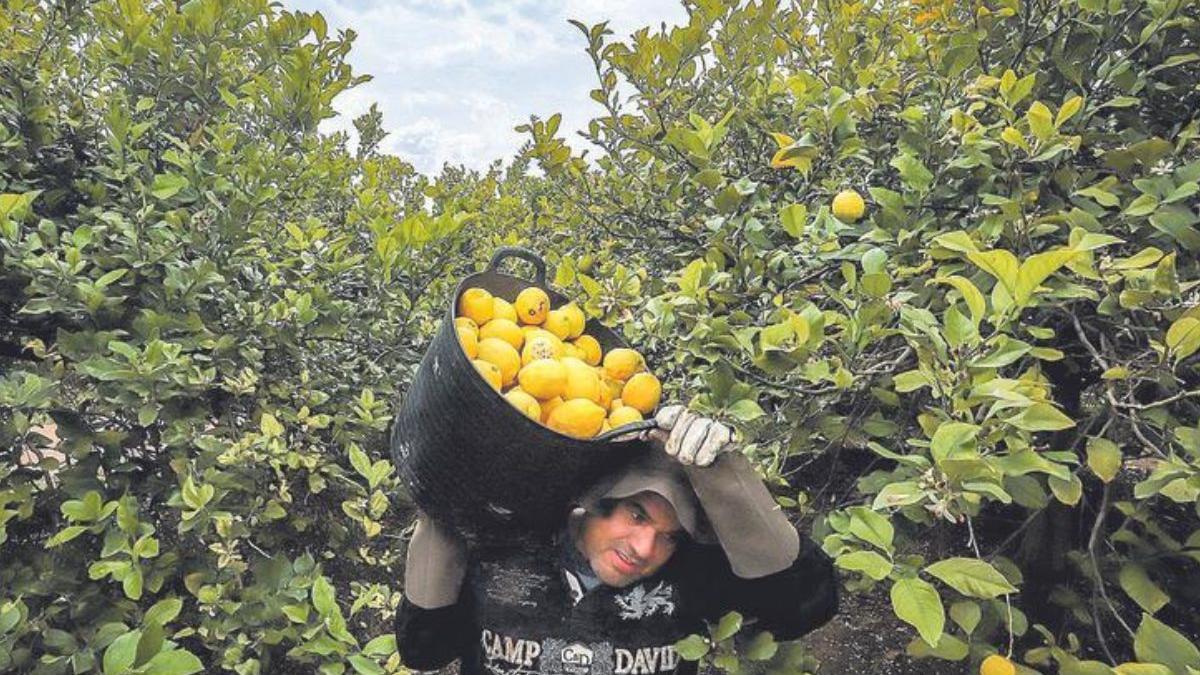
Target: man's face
x=633 y=541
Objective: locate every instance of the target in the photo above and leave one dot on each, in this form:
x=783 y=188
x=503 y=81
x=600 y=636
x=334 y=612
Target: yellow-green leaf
x=1068 y=110
x=1103 y=458
x=999 y=263
x=1183 y=337
x=1038 y=268
x=970 y=294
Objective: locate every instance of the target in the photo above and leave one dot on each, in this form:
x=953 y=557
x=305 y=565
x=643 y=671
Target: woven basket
x=474 y=462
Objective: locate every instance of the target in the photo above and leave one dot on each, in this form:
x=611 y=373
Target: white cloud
x=453 y=77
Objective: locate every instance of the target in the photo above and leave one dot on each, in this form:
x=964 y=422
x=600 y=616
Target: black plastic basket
x=473 y=461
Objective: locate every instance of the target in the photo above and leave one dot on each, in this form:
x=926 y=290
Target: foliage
x=205 y=306
x=998 y=362
x=985 y=392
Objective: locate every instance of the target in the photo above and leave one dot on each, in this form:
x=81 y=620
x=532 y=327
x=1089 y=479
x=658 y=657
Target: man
x=632 y=573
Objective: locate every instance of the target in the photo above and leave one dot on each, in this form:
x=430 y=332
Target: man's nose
x=643 y=541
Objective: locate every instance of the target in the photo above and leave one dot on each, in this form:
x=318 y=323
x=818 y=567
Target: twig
x=1092 y=541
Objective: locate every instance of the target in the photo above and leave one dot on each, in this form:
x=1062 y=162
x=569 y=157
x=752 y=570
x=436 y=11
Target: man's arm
x=432 y=626
x=772 y=573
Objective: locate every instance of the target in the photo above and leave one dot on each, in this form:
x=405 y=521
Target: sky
x=453 y=77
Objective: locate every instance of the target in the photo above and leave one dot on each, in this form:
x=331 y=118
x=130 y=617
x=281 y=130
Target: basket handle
x=626 y=429
x=524 y=254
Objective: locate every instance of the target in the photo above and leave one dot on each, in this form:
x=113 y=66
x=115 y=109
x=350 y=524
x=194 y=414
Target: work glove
x=689 y=437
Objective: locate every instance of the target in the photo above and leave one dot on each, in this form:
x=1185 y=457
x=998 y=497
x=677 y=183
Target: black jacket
x=517 y=613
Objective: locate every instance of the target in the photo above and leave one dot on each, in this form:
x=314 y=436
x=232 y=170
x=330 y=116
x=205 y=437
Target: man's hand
x=690 y=437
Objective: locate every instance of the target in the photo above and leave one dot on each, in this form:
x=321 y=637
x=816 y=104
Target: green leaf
x=1144 y=258
x=1067 y=491
x=1103 y=458
x=384 y=645
x=1156 y=642
x=1041 y=417
x=999 y=263
x=729 y=625
x=762 y=647
x=1041 y=121
x=793 y=218
x=1036 y=269
x=360 y=461
x=1068 y=110
x=1007 y=351
x=323 y=597
x=692 y=648
x=1177 y=221
x=970 y=294
x=912 y=172
x=1138 y=585
x=910 y=380
x=953 y=440
x=1014 y=137
x=898 y=494
x=871 y=527
x=745 y=410
x=174 y=662
x=972 y=577
x=365 y=666
x=918 y=604
x=65 y=535
x=869 y=563
x=167 y=185
x=966 y=614
x=1183 y=337
x=133 y=582
x=269 y=426
x=163 y=612
x=120 y=654
x=1142 y=206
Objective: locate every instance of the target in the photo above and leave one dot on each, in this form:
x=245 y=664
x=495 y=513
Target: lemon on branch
x=997 y=665
x=848 y=206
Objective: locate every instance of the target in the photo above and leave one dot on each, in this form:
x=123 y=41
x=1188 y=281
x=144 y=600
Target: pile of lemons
x=543 y=363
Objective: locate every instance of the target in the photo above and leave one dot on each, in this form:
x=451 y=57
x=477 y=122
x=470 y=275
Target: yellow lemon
x=489 y=371
x=476 y=305
x=541 y=346
x=624 y=415
x=997 y=665
x=572 y=351
x=848 y=206
x=576 y=318
x=606 y=427
x=532 y=305
x=642 y=391
x=606 y=397
x=525 y=403
x=590 y=347
x=543 y=378
x=622 y=362
x=577 y=417
x=582 y=381
x=503 y=309
x=557 y=322
x=470 y=342
x=548 y=407
x=614 y=385
x=463 y=323
x=503 y=355
x=505 y=330
x=616 y=403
